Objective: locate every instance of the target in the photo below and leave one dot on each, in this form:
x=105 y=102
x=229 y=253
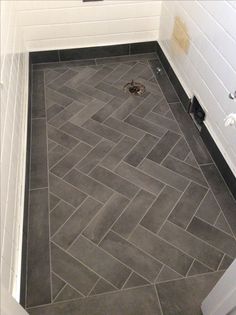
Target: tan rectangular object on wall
x=180 y=34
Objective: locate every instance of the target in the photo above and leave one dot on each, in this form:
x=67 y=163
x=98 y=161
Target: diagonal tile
x=70 y=160
x=146 y=106
x=59 y=215
x=61 y=138
x=131 y=256
x=141 y=150
x=51 y=75
x=83 y=74
x=168 y=274
x=56 y=154
x=53 y=201
x=213 y=236
x=163 y=147
x=191 y=245
x=62 y=79
x=187 y=205
x=162 y=108
x=225 y=263
x=160 y=210
x=100 y=261
x=139 y=178
x=94 y=156
x=133 y=213
x=161 y=250
x=197 y=268
x=57 y=285
x=102 y=286
x=222 y=224
x=151 y=87
x=99 y=226
x=119 y=151
x=94 y=92
x=209 y=209
x=65 y=191
x=102 y=130
x=135 y=281
x=53 y=110
x=81 y=133
x=116 y=74
x=75 y=95
x=164 y=174
x=89 y=186
x=180 y=150
x=87 y=112
x=77 y=223
x=134 y=72
x=185 y=170
x=128 y=107
x=58 y=98
x=112 y=90
x=114 y=181
x=163 y=122
x=108 y=109
x=186 y=295
x=124 y=128
x=98 y=76
x=66 y=114
x=71 y=270
x=68 y=293
x=145 y=125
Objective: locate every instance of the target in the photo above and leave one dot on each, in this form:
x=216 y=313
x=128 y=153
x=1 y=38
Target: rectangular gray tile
x=108 y=109
x=139 y=301
x=145 y=125
x=163 y=122
x=81 y=133
x=38 y=95
x=94 y=92
x=209 y=209
x=83 y=74
x=131 y=256
x=141 y=150
x=164 y=174
x=62 y=79
x=127 y=108
x=70 y=160
x=146 y=106
x=112 y=90
x=57 y=98
x=162 y=108
x=100 y=261
x=160 y=210
x=102 y=130
x=133 y=213
x=114 y=181
x=66 y=114
x=59 y=215
x=113 y=158
x=53 y=110
x=222 y=194
x=152 y=87
x=75 y=95
x=87 y=112
x=38 y=161
x=89 y=186
x=187 y=205
x=134 y=72
x=163 y=147
x=94 y=157
x=61 y=138
x=124 y=128
x=56 y=154
x=139 y=178
x=213 y=236
x=185 y=170
x=38 y=283
x=99 y=226
x=98 y=76
x=65 y=191
x=180 y=150
x=191 y=245
x=71 y=270
x=117 y=73
x=74 y=226
x=161 y=250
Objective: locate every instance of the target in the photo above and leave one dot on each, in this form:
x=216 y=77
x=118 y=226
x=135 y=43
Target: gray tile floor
x=128 y=213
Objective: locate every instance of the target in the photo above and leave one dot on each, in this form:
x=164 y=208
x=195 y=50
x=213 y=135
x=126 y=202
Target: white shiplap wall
x=14 y=73
x=51 y=25
x=208 y=70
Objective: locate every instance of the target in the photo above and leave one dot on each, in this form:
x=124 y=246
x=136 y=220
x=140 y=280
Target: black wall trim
x=92 y=52
x=219 y=160
x=26 y=200
x=185 y=100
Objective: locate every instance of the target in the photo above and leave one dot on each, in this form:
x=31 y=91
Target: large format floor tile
x=125 y=217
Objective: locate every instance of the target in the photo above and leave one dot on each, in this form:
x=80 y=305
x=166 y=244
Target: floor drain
x=134 y=88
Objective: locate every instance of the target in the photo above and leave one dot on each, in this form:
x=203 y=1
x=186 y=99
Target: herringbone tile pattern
x=129 y=205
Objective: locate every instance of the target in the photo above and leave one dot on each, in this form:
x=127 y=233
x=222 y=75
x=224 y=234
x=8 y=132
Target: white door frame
x=9 y=306
x=222 y=299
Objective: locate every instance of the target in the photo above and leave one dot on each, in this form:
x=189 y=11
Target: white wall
x=14 y=72
x=51 y=25
x=209 y=68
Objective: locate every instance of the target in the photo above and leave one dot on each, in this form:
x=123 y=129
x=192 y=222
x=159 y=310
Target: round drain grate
x=134 y=88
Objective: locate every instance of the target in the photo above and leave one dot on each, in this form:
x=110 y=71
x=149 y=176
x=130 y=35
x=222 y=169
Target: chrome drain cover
x=135 y=88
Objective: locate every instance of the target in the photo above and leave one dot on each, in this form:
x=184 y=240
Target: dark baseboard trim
x=185 y=100
x=92 y=52
x=219 y=160
x=26 y=196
